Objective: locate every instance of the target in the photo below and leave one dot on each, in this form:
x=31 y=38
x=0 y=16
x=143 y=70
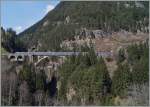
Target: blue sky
x=21 y=14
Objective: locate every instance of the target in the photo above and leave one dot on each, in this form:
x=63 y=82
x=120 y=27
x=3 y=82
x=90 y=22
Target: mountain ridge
x=67 y=17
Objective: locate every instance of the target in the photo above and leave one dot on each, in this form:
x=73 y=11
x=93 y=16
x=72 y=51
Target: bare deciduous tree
x=39 y=97
x=24 y=95
x=9 y=87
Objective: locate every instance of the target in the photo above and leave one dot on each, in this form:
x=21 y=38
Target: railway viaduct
x=20 y=56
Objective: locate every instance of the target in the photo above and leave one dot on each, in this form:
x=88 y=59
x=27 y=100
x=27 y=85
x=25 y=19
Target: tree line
x=10 y=41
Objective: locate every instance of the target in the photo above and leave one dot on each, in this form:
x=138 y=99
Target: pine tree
x=121 y=79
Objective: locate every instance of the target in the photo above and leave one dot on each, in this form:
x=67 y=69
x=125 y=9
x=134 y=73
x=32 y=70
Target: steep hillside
x=69 y=17
x=84 y=79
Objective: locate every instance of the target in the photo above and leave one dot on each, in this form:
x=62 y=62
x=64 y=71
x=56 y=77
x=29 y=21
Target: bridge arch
x=12 y=57
x=20 y=57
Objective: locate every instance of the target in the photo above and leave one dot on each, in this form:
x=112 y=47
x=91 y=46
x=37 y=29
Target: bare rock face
x=19 y=68
x=70 y=94
x=49 y=72
x=45 y=23
x=67 y=20
x=111 y=66
x=95 y=33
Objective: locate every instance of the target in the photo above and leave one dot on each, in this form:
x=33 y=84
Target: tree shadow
x=52 y=86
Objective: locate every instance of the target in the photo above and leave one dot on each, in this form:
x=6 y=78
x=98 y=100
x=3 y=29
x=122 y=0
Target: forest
x=69 y=16
x=82 y=80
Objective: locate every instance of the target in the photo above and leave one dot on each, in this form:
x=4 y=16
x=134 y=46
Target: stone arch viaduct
x=20 y=56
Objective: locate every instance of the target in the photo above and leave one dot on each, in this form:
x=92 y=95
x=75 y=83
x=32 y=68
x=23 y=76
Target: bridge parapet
x=54 y=53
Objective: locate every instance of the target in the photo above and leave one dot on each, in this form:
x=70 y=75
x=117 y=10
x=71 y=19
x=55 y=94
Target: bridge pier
x=30 y=58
